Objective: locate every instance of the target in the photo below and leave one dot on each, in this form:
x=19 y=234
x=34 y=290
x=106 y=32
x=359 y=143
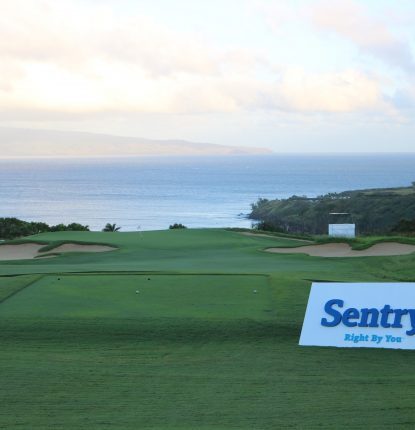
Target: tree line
x=373 y=212
x=12 y=228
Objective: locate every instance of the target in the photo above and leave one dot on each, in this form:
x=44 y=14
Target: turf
x=196 y=347
x=143 y=296
x=12 y=285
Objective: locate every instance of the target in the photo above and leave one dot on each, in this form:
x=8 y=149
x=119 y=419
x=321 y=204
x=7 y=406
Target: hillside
x=16 y=142
x=374 y=211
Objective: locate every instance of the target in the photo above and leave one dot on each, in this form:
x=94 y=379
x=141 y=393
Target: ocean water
x=150 y=194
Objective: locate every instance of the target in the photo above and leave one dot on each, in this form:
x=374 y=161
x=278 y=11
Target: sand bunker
x=73 y=247
x=344 y=250
x=28 y=251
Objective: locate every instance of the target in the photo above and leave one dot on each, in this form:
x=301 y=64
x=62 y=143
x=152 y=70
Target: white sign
x=371 y=315
x=342 y=230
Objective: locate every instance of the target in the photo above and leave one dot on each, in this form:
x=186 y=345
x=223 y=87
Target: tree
x=77 y=227
x=404 y=226
x=176 y=226
x=70 y=227
x=111 y=228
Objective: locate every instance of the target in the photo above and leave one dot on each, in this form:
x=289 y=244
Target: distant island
x=16 y=142
x=375 y=211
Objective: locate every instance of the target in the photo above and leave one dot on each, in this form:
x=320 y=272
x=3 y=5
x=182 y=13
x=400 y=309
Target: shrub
x=267 y=226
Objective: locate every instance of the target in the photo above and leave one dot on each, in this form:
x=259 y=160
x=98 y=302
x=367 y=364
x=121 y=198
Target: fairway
x=187 y=330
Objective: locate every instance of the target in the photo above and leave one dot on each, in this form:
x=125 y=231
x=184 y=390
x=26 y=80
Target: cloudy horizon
x=293 y=76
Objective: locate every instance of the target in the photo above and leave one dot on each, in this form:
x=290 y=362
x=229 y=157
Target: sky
x=290 y=75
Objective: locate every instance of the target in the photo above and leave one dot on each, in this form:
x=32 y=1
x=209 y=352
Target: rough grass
x=271 y=233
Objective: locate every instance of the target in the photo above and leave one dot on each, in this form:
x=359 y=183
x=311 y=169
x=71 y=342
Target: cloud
x=351 y=20
x=69 y=58
x=278 y=14
x=346 y=91
x=71 y=34
x=404 y=99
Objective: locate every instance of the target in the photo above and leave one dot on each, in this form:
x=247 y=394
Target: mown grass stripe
x=19 y=288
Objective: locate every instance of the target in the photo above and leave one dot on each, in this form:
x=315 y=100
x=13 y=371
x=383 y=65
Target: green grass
x=109 y=296
x=12 y=285
x=196 y=348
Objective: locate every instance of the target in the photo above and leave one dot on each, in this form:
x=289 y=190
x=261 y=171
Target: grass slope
x=196 y=347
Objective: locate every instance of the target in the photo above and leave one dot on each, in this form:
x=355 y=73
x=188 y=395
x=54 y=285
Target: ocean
x=151 y=194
